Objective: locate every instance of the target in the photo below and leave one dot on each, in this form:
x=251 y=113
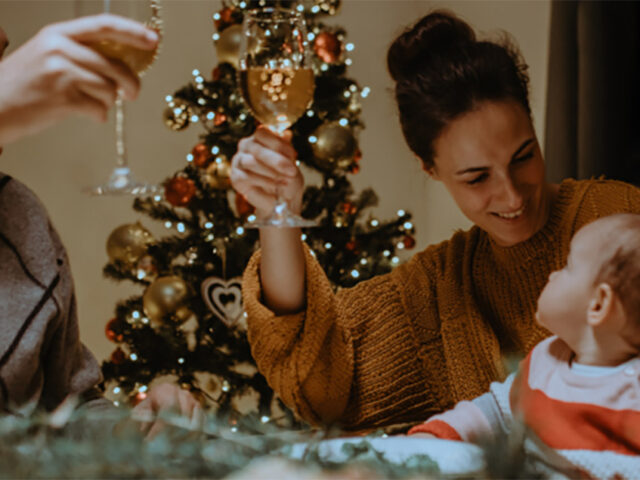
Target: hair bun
x=432 y=36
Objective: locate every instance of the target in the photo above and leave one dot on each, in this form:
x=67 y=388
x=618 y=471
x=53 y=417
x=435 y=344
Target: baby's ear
x=601 y=305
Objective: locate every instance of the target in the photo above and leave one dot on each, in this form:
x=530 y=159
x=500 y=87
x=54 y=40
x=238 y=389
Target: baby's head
x=595 y=299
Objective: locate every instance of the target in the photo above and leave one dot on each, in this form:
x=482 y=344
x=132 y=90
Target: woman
x=411 y=343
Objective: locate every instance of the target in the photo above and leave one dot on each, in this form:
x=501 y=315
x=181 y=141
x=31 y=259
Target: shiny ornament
x=137 y=398
x=408 y=241
x=112 y=330
x=146 y=267
x=216 y=74
x=353 y=246
x=225 y=18
x=350 y=208
x=228 y=45
x=354 y=168
x=176 y=118
x=243 y=207
x=224 y=298
x=179 y=191
x=335 y=145
x=219 y=119
x=128 y=243
x=166 y=296
x=118 y=356
x=218 y=173
x=201 y=155
x=327 y=47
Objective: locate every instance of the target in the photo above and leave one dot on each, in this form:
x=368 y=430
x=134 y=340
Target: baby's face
x=564 y=302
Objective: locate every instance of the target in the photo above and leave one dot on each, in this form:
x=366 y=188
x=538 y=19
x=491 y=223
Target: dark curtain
x=593 y=91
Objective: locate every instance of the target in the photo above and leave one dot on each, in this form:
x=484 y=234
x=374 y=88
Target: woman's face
x=490 y=162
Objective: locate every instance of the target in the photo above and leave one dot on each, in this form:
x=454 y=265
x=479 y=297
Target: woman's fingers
x=109 y=27
x=90 y=60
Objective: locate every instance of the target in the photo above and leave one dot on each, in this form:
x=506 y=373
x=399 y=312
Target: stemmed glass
x=122 y=181
x=277 y=83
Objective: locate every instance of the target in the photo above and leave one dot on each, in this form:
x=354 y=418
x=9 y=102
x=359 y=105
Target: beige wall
x=59 y=162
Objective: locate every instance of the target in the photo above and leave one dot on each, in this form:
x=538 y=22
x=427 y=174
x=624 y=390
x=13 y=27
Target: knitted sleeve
x=351 y=358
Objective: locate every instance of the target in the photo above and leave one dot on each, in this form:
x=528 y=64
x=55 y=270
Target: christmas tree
x=187 y=321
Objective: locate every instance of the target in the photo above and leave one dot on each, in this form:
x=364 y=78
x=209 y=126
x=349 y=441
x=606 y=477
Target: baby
x=579 y=389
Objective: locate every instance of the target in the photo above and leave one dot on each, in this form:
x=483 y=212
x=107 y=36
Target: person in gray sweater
x=42 y=360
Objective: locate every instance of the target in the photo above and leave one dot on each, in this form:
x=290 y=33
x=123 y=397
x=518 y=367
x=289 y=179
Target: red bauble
x=138 y=397
x=111 y=330
x=354 y=168
x=216 y=74
x=118 y=356
x=357 y=156
x=226 y=19
x=243 y=207
x=408 y=241
x=352 y=245
x=201 y=155
x=350 y=208
x=327 y=47
x=179 y=191
x=219 y=119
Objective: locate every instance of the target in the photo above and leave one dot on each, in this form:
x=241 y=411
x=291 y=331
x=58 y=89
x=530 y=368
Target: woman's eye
x=524 y=158
x=479 y=179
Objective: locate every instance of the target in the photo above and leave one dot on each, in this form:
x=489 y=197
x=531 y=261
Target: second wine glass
x=277 y=83
x=122 y=181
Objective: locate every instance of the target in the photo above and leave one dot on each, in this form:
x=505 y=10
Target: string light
x=408 y=225
x=194 y=118
x=181 y=360
x=239 y=230
x=386 y=253
x=215 y=149
x=208 y=225
x=133 y=357
x=328 y=245
x=401 y=213
x=181 y=228
x=355 y=273
x=395 y=260
x=168 y=224
x=365 y=92
x=349 y=47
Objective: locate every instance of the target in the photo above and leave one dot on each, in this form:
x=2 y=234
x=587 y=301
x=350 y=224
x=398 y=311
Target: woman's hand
x=55 y=74
x=264 y=162
x=167 y=397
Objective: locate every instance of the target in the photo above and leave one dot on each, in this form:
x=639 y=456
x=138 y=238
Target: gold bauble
x=228 y=45
x=128 y=243
x=218 y=173
x=166 y=296
x=335 y=145
x=176 y=118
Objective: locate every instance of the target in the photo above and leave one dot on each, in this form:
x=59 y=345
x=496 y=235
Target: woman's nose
x=510 y=194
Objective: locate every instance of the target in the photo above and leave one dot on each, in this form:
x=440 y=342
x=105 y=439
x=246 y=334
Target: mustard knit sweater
x=402 y=346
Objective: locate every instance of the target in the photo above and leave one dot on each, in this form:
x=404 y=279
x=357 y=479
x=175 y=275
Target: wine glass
x=122 y=181
x=277 y=83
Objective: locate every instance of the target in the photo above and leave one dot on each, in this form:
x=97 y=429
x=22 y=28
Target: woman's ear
x=601 y=305
x=431 y=171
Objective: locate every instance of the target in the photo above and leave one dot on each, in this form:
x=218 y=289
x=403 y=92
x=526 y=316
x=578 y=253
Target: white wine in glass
x=277 y=83
x=121 y=180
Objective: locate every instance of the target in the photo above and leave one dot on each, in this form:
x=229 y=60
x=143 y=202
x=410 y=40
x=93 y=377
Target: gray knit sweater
x=41 y=358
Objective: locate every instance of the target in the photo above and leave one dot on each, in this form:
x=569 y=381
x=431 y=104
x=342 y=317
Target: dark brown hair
x=620 y=266
x=441 y=72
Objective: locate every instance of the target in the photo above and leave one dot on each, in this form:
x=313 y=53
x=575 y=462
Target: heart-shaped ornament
x=224 y=298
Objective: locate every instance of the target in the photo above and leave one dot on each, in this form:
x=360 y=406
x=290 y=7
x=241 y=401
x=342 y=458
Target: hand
x=263 y=162
x=421 y=435
x=55 y=74
x=167 y=397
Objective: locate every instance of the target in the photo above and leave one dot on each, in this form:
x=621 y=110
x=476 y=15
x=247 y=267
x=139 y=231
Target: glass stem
x=121 y=148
